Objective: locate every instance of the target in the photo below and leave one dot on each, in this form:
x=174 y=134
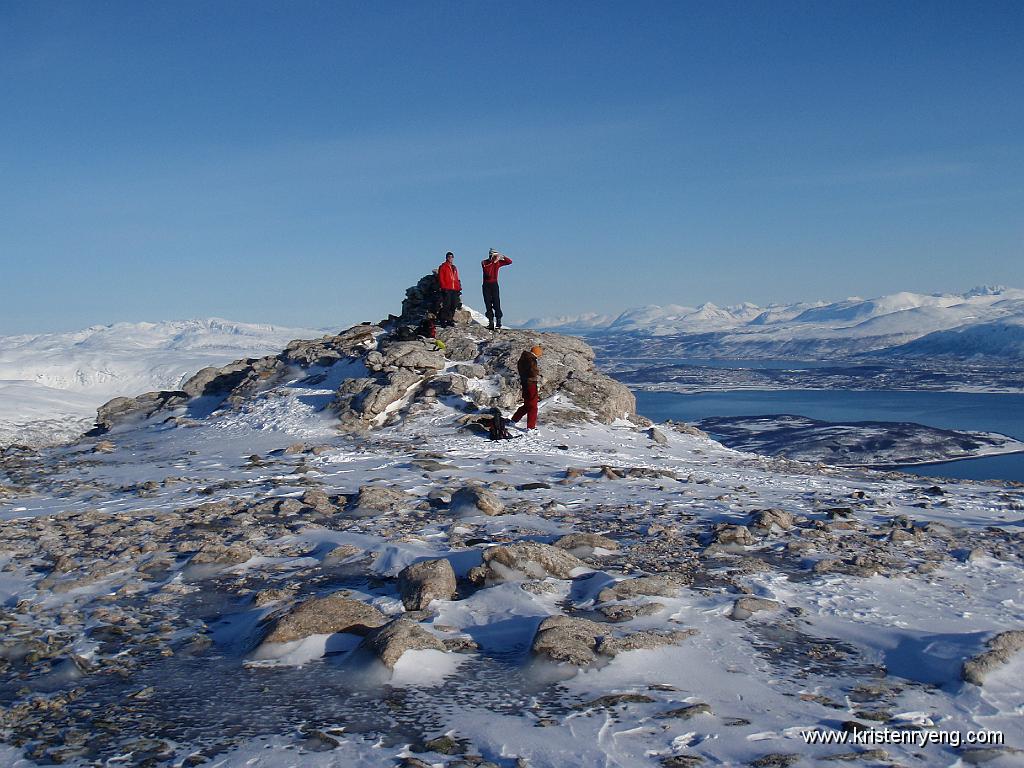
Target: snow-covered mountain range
x=985 y=322
x=52 y=383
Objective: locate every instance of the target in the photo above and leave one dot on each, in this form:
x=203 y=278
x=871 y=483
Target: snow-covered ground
x=52 y=383
x=140 y=575
x=981 y=324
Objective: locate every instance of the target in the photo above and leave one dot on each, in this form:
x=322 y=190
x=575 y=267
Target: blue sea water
x=986 y=412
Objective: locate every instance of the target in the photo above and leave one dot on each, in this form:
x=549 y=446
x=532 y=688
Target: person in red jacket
x=451 y=287
x=529 y=377
x=492 y=298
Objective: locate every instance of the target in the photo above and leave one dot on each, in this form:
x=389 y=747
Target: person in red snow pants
x=529 y=376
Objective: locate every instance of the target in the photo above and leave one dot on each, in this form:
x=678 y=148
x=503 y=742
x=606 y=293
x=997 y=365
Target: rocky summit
x=319 y=558
x=390 y=372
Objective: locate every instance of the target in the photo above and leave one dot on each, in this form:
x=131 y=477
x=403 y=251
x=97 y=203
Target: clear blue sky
x=303 y=162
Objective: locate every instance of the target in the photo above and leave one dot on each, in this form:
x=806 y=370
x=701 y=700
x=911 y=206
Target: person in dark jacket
x=492 y=297
x=529 y=377
x=451 y=288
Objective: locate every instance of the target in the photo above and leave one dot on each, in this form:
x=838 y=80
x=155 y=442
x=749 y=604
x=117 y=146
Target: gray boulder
x=764 y=519
x=475 y=499
x=583 y=544
x=325 y=615
x=530 y=558
x=420 y=355
x=393 y=639
x=581 y=642
x=381 y=498
x=1000 y=649
x=738 y=535
x=424 y=581
x=659 y=585
x=745 y=607
x=124 y=409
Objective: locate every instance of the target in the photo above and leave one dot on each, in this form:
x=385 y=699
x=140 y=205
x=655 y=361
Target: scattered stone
x=585 y=543
x=745 y=607
x=1000 y=649
x=867 y=755
x=617 y=612
x=531 y=558
x=474 y=499
x=980 y=755
x=104 y=446
x=424 y=581
x=681 y=761
x=685 y=713
x=325 y=615
x=775 y=760
x=738 y=535
x=659 y=585
x=615 y=699
x=766 y=518
x=382 y=499
x=222 y=554
x=396 y=637
x=657 y=436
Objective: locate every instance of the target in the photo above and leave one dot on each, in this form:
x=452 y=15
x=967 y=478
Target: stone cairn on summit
x=400 y=373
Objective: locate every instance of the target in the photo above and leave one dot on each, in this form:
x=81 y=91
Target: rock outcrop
x=393 y=368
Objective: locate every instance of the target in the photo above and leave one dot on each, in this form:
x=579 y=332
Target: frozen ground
x=140 y=577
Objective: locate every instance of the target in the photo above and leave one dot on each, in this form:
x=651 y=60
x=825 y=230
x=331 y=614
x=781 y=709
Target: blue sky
x=303 y=162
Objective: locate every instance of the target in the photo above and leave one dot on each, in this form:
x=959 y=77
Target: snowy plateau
x=315 y=557
x=51 y=384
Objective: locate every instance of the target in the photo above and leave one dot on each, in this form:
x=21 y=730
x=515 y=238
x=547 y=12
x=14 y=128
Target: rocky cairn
x=395 y=372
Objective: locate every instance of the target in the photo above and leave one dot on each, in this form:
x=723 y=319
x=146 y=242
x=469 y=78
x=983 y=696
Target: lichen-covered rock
x=475 y=499
x=744 y=607
x=581 y=642
x=396 y=637
x=1000 y=649
x=738 y=535
x=531 y=558
x=381 y=499
x=565 y=639
x=764 y=519
x=643 y=641
x=420 y=355
x=583 y=544
x=661 y=585
x=424 y=581
x=222 y=554
x=657 y=436
x=325 y=615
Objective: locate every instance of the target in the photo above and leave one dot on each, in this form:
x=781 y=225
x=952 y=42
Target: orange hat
x=537 y=350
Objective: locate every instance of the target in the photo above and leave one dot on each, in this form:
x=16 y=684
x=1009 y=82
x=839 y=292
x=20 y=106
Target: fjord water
x=984 y=412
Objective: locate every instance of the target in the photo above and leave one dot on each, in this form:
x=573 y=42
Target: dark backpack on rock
x=498 y=430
